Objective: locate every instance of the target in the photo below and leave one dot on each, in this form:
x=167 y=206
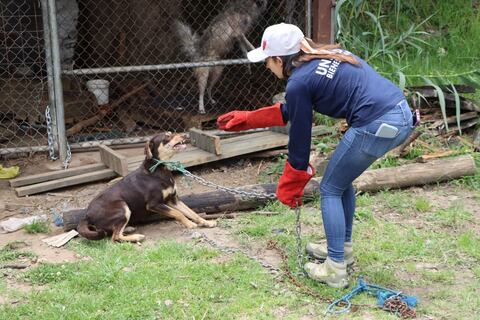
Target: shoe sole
x=338 y=285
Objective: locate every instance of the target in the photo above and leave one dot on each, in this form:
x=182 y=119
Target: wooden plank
x=48 y=176
x=253 y=143
x=453 y=119
x=205 y=141
x=224 y=142
x=65 y=182
x=114 y=160
x=192 y=156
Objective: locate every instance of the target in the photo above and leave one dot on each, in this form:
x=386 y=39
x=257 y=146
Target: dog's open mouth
x=179 y=146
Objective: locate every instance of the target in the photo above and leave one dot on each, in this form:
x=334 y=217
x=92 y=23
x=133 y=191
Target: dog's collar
x=171 y=165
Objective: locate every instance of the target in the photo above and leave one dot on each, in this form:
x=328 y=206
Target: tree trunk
x=372 y=180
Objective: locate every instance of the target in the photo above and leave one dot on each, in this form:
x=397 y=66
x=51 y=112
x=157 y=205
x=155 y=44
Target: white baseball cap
x=278 y=40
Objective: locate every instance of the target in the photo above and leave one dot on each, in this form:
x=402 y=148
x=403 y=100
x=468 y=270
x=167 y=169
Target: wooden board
x=65 y=182
x=48 y=176
x=231 y=147
x=205 y=141
x=114 y=160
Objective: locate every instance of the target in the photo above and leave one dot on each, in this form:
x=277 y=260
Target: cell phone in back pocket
x=386 y=131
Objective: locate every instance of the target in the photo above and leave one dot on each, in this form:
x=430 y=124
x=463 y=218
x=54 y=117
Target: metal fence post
x=49 y=64
x=57 y=81
x=308 y=18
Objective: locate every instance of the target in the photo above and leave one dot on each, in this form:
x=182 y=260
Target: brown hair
x=310 y=50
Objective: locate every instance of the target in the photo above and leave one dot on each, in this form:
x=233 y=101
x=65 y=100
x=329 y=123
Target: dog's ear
x=148 y=150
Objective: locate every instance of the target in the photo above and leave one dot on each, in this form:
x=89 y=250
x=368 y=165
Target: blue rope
x=382 y=294
x=171 y=165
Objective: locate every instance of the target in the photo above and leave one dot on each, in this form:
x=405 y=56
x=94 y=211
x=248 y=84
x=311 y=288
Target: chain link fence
x=130 y=69
x=23 y=81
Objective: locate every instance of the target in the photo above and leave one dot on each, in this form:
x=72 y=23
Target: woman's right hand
x=233 y=121
x=244 y=120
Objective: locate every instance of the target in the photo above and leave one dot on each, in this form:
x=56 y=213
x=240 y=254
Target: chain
x=397 y=306
x=230 y=250
x=298 y=237
x=51 y=149
x=174 y=165
x=248 y=194
x=66 y=163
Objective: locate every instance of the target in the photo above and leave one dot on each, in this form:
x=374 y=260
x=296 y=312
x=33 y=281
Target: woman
x=339 y=84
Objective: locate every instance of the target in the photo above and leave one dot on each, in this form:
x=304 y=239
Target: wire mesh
x=23 y=82
x=133 y=68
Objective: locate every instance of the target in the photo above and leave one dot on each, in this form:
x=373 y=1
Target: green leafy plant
x=37 y=227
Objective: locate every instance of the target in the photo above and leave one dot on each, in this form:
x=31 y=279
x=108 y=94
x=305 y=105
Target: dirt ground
x=232 y=173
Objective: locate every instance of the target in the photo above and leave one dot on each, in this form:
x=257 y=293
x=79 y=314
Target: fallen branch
x=400 y=150
x=441 y=154
x=372 y=180
x=104 y=111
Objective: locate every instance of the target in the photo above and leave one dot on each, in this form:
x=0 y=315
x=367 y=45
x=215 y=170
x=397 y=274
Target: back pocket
x=376 y=146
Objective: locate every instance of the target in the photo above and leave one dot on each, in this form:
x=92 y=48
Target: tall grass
x=415 y=42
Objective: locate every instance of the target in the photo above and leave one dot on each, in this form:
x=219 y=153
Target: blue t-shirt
x=337 y=89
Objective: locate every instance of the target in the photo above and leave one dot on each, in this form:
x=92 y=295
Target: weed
x=37 y=227
x=453 y=216
x=422 y=204
x=10 y=252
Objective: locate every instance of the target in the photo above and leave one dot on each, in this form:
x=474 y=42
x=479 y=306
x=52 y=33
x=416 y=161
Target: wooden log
x=103 y=112
x=372 y=180
x=416 y=174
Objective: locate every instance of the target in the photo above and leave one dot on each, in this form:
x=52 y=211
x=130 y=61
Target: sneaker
x=319 y=251
x=334 y=274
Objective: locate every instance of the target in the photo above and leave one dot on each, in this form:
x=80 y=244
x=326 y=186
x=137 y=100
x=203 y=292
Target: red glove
x=244 y=120
x=291 y=184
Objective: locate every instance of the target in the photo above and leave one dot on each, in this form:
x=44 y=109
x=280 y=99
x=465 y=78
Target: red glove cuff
x=292 y=183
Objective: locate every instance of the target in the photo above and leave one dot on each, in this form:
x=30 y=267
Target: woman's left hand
x=291 y=184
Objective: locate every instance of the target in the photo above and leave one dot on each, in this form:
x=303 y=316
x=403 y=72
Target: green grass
x=437 y=46
x=422 y=204
x=454 y=216
x=37 y=227
x=168 y=281
x=11 y=252
x=171 y=280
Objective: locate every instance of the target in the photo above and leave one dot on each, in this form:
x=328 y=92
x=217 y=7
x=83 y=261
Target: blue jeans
x=358 y=149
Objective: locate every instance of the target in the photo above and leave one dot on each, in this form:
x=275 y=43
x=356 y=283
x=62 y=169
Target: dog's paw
x=209 y=224
x=138 y=237
x=191 y=225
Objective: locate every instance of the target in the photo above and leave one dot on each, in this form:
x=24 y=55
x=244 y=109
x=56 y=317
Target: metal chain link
x=237 y=191
x=51 y=149
x=298 y=237
x=230 y=250
x=66 y=163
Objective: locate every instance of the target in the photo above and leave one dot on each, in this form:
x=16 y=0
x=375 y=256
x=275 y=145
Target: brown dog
x=139 y=194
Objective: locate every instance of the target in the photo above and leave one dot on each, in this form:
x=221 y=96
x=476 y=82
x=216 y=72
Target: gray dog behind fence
x=230 y=26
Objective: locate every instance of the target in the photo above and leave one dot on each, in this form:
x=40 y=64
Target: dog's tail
x=188 y=39
x=84 y=229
